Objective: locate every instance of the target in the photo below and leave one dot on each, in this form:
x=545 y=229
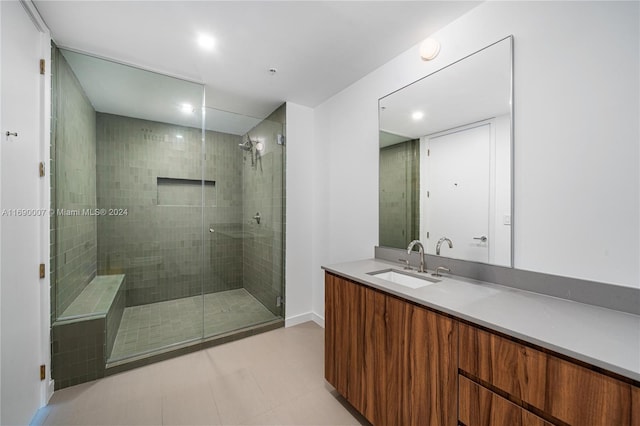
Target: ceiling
x=317 y=47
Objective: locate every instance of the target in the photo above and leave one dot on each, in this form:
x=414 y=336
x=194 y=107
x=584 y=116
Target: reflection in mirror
x=446 y=160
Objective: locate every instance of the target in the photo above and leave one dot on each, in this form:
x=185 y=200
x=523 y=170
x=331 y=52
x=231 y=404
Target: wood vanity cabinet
x=538 y=383
x=635 y=405
x=395 y=362
x=401 y=364
x=480 y=406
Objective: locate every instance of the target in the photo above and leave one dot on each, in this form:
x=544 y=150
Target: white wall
x=299 y=213
x=577 y=185
x=1 y=127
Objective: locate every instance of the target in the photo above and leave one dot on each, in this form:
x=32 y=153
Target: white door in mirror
x=458 y=171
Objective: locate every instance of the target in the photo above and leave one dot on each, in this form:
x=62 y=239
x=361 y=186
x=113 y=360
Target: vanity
x=490 y=345
x=466 y=352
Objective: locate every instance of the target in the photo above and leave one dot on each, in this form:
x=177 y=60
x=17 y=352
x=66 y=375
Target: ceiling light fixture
x=417 y=115
x=187 y=109
x=206 y=42
x=429 y=49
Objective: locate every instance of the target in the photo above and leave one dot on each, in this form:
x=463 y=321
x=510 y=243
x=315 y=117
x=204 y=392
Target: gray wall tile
x=74 y=245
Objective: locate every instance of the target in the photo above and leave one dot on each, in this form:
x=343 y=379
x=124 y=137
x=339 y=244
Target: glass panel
x=244 y=223
x=165 y=233
x=128 y=197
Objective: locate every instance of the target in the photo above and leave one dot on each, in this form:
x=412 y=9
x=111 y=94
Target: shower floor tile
x=149 y=327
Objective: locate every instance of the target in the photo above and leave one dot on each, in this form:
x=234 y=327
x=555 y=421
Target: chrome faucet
x=440 y=241
x=420 y=252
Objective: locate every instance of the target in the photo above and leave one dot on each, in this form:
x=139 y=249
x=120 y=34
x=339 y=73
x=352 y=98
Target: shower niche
x=185 y=192
x=172 y=259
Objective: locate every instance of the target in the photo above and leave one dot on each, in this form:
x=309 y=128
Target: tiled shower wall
x=263 y=188
x=399 y=194
x=73 y=186
x=158 y=242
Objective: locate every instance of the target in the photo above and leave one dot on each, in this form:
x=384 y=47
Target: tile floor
x=274 y=378
x=147 y=327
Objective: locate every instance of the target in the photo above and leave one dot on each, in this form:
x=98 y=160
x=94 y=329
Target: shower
x=152 y=278
x=254 y=147
x=246 y=145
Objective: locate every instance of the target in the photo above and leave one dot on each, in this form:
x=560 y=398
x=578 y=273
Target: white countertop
x=602 y=337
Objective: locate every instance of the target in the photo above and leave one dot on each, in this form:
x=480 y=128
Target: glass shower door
x=243 y=221
x=127 y=197
x=151 y=168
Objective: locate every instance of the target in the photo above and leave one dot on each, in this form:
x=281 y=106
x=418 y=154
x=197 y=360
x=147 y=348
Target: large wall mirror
x=446 y=145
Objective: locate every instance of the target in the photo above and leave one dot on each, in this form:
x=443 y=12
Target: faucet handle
x=406 y=263
x=440 y=269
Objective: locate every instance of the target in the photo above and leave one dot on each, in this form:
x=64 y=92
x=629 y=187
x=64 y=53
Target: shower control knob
x=211 y=230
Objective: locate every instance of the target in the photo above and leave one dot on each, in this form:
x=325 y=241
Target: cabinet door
x=635 y=406
x=379 y=375
x=410 y=363
x=344 y=340
x=481 y=407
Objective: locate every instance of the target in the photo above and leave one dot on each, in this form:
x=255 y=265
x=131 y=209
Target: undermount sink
x=403 y=278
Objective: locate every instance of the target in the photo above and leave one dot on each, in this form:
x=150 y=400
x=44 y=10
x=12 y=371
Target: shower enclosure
x=168 y=224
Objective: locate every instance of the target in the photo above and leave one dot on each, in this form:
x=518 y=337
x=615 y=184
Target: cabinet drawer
x=563 y=390
x=481 y=407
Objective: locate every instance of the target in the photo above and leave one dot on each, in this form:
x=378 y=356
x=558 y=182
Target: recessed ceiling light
x=179 y=136
x=187 y=108
x=418 y=115
x=206 y=42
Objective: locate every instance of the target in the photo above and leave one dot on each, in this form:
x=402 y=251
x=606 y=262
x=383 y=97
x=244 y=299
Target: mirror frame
x=510 y=39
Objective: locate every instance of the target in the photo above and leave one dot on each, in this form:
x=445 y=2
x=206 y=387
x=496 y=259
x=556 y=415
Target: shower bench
x=82 y=337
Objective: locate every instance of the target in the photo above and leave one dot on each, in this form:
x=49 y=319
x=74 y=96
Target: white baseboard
x=40 y=415
x=318 y=319
x=299 y=319
x=50 y=388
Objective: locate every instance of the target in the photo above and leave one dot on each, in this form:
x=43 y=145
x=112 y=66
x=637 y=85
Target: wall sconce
x=429 y=49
